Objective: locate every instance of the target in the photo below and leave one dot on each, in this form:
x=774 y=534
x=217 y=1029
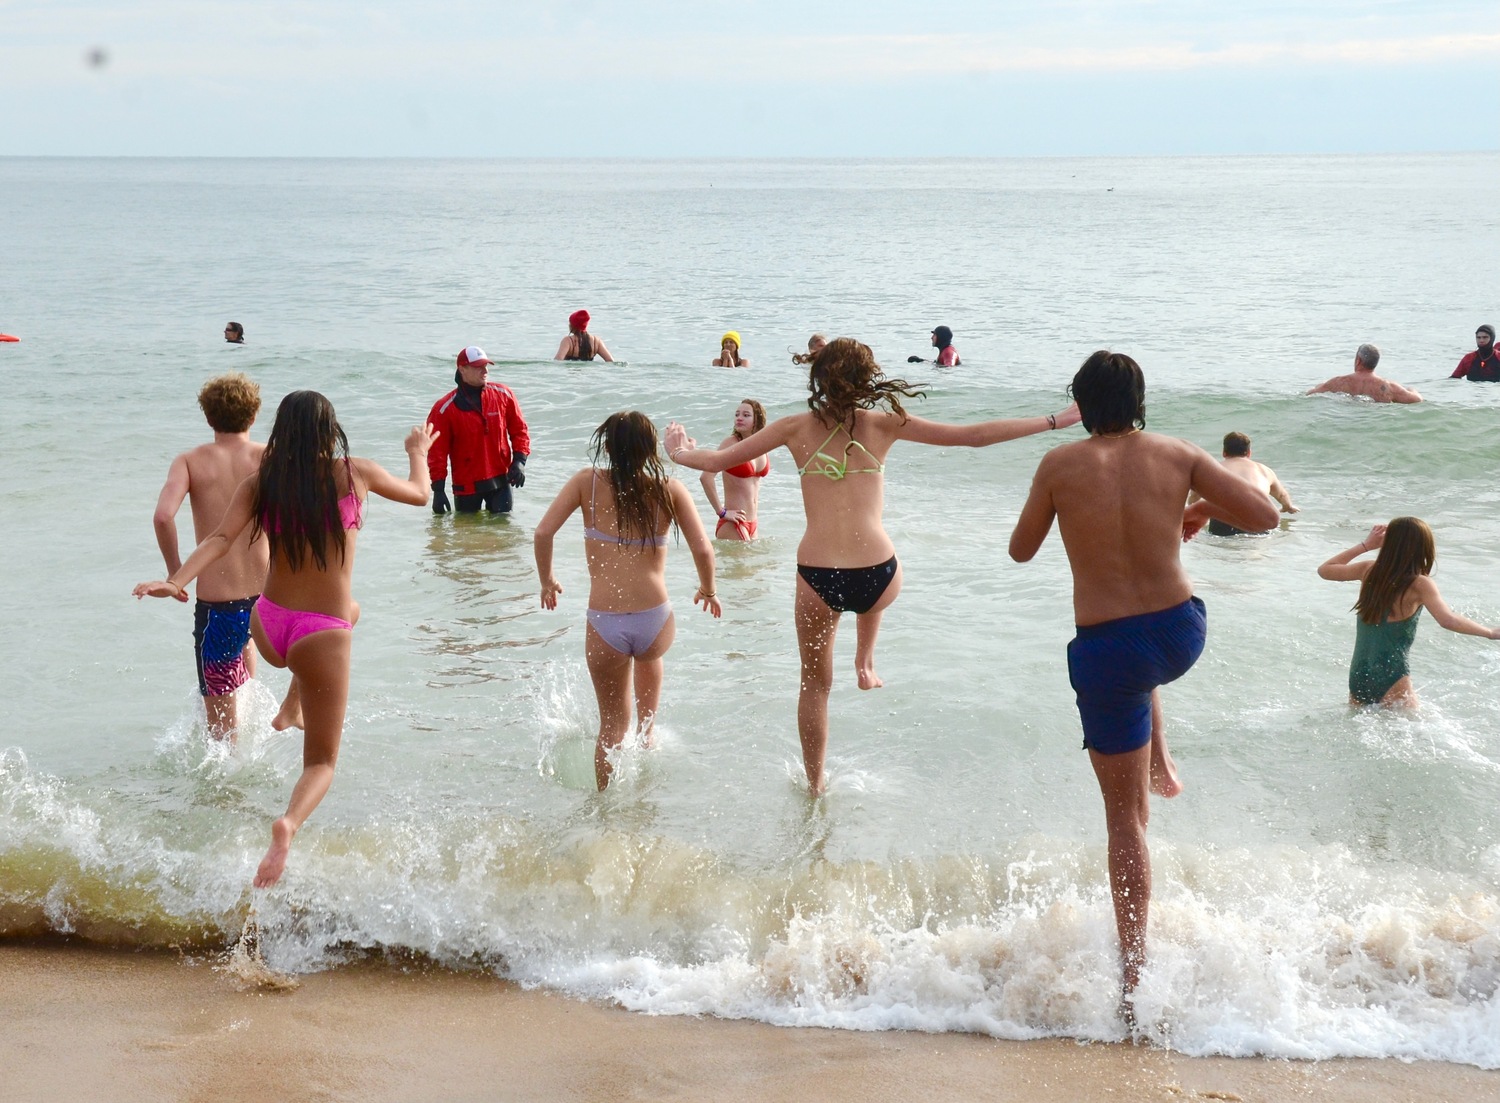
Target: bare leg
x=1402 y=695
x=610 y=671
x=1164 y=780
x=320 y=665
x=866 y=628
x=250 y=657
x=817 y=625
x=1124 y=781
x=221 y=716
x=290 y=713
x=647 y=677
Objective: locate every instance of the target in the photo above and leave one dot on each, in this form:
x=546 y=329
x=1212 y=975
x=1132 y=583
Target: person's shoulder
x=443 y=402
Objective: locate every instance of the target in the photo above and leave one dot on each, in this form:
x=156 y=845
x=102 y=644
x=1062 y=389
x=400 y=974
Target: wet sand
x=83 y=1023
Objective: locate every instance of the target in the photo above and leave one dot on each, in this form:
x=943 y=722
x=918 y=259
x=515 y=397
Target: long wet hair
x=845 y=378
x=628 y=440
x=1110 y=390
x=296 y=494
x=1408 y=551
x=758 y=416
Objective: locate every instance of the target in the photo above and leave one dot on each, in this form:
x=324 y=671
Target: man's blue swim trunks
x=220 y=631
x=1114 y=666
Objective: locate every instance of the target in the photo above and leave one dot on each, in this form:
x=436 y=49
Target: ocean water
x=1328 y=884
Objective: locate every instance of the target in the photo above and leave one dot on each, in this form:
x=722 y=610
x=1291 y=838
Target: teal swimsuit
x=1380 y=657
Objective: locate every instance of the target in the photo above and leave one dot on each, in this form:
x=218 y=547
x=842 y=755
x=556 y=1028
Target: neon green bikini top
x=836 y=468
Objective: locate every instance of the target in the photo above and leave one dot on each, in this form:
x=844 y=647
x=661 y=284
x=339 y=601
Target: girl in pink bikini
x=628 y=509
x=309 y=500
x=738 y=512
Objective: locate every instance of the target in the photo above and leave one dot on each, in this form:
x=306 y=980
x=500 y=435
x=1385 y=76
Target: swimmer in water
x=580 y=344
x=729 y=352
x=840 y=447
x=947 y=354
x=738 y=515
x=628 y=507
x=308 y=499
x=815 y=345
x=1393 y=591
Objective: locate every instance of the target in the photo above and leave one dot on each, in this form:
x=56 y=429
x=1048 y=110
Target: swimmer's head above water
x=1110 y=390
x=578 y=321
x=749 y=417
x=942 y=337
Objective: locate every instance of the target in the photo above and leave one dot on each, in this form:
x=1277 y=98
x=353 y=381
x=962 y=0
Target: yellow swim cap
x=730 y=336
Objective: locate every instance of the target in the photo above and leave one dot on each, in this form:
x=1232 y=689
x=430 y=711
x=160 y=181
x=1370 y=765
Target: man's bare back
x=1366 y=384
x=208 y=476
x=1118 y=501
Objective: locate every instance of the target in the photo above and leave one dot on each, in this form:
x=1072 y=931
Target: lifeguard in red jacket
x=482 y=433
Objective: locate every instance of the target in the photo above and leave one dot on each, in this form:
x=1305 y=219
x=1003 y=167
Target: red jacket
x=1487 y=372
x=480 y=447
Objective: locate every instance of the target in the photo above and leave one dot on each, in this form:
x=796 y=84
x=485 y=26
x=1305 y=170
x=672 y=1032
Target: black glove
x=440 y=502
x=516 y=476
x=915 y=360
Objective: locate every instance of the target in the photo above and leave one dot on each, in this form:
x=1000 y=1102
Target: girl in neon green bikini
x=1393 y=591
x=846 y=561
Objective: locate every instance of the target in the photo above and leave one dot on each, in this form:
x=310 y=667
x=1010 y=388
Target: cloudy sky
x=651 y=78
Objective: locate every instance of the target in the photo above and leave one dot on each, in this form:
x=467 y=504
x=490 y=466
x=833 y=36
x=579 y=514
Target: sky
x=752 y=78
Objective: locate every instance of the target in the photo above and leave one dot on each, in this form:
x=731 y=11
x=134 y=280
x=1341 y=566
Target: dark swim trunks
x=1114 y=666
x=1217 y=527
x=220 y=631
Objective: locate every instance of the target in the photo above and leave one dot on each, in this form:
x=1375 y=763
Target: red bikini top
x=747 y=470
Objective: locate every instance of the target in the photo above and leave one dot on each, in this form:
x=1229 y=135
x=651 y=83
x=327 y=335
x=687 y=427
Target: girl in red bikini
x=839 y=447
x=738 y=512
x=309 y=499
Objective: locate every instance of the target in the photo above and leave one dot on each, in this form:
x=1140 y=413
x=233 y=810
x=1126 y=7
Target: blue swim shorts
x=220 y=631
x=1114 y=666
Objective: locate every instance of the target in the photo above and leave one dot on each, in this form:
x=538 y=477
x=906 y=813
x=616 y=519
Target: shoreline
x=87 y=1022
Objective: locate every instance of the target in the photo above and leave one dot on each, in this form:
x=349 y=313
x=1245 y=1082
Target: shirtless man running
x=207 y=477
x=1363 y=381
x=1117 y=498
x=1237 y=459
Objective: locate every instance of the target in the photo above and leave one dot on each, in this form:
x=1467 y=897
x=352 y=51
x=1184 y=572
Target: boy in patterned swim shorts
x=207 y=477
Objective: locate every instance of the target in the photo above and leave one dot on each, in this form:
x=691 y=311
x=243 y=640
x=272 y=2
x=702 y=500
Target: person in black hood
x=947 y=354
x=483 y=434
x=1481 y=365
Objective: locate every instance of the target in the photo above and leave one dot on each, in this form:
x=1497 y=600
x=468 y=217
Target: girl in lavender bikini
x=309 y=500
x=628 y=509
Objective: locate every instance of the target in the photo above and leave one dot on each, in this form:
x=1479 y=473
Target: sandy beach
x=83 y=1023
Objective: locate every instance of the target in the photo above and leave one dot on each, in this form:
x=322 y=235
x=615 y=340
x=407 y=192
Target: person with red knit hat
x=580 y=344
x=482 y=435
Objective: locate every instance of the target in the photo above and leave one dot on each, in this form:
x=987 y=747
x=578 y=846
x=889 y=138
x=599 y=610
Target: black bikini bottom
x=849 y=589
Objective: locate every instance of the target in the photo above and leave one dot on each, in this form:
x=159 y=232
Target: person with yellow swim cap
x=729 y=352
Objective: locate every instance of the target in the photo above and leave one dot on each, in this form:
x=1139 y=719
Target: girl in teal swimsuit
x=1393 y=591
x=629 y=505
x=846 y=561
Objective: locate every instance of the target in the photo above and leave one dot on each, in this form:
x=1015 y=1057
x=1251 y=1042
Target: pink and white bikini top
x=351 y=508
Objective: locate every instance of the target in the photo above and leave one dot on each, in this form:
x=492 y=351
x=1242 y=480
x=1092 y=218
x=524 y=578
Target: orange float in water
x=8 y=337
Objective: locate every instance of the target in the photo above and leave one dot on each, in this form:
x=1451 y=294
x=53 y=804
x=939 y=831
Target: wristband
x=1051 y=421
x=721 y=513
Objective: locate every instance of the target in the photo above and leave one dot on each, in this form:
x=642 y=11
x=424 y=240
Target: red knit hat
x=578 y=321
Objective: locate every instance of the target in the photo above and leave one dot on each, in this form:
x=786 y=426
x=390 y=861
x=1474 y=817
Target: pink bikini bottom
x=284 y=627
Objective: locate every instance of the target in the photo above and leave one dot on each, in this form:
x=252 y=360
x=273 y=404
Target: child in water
x=1393 y=590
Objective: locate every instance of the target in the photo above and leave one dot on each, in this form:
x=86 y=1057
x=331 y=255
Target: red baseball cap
x=473 y=357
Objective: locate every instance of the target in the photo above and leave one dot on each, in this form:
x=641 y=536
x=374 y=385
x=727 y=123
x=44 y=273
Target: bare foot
x=274 y=863
x=289 y=716
x=1164 y=780
x=868 y=679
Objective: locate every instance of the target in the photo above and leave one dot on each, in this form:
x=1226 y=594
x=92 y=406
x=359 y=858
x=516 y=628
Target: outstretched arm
x=602 y=350
x=983 y=433
x=1341 y=567
x=691 y=527
x=682 y=449
x=413 y=489
x=164 y=520
x=1427 y=592
x=213 y=547
x=1280 y=493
